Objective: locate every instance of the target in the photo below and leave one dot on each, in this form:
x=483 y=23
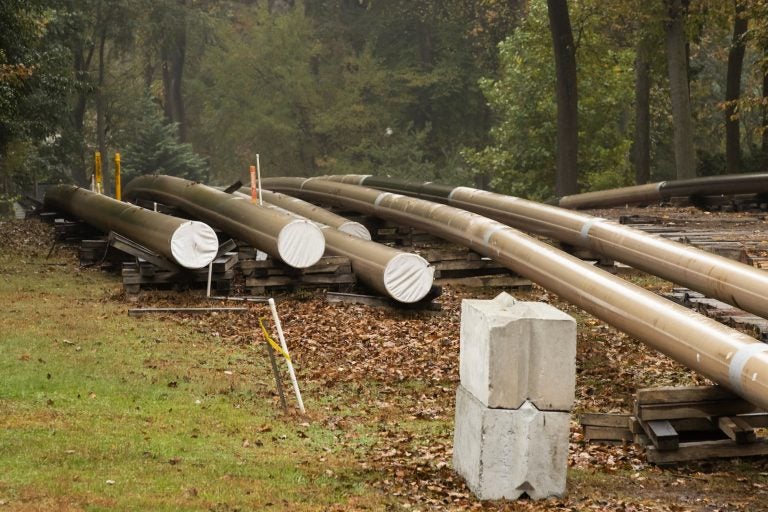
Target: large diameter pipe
x=299 y=243
x=722 y=354
x=405 y=277
x=649 y=193
x=756 y=183
x=313 y=213
x=715 y=276
x=190 y=244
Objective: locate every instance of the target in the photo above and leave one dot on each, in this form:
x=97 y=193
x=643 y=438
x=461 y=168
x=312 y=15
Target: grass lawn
x=99 y=411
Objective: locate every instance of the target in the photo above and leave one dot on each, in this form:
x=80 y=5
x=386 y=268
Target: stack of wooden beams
x=725 y=313
x=139 y=275
x=461 y=266
x=263 y=275
x=679 y=424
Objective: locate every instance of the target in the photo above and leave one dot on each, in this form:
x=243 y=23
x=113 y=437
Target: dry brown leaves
x=25 y=237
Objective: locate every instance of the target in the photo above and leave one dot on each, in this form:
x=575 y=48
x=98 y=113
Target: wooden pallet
x=72 y=231
x=463 y=267
x=722 y=312
x=141 y=274
x=261 y=275
x=679 y=424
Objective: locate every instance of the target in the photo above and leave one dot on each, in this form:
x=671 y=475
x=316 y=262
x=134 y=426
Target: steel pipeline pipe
x=730 y=281
x=299 y=243
x=312 y=212
x=403 y=276
x=663 y=191
x=724 y=355
x=188 y=243
x=756 y=183
x=639 y=194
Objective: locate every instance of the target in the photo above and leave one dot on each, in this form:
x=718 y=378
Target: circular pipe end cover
x=355 y=229
x=408 y=277
x=194 y=244
x=300 y=244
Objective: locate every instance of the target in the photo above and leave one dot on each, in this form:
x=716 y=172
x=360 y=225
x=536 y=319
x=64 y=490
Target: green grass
x=99 y=411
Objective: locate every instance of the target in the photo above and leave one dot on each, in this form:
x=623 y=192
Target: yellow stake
x=118 y=183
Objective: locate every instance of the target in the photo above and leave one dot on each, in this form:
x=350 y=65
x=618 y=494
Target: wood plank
x=597 y=433
x=268 y=281
x=706 y=450
x=671 y=411
x=662 y=434
x=634 y=425
x=604 y=420
x=670 y=394
x=327 y=279
x=756 y=420
x=487 y=281
x=737 y=429
x=467 y=265
x=437 y=255
x=479 y=272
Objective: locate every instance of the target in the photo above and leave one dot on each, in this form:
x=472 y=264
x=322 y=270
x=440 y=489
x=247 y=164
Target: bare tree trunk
x=566 y=181
x=641 y=147
x=733 y=91
x=82 y=64
x=177 y=72
x=764 y=141
x=101 y=124
x=172 y=55
x=685 y=156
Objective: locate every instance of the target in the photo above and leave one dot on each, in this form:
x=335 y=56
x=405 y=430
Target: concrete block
x=512 y=352
x=505 y=453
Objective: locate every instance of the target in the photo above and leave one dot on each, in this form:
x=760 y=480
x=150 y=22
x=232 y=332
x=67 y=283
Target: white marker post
x=258 y=178
x=279 y=328
x=210 y=275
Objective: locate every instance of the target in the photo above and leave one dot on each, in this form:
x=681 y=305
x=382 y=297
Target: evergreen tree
x=157 y=150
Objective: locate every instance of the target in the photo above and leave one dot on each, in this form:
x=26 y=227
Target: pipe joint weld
x=739 y=361
x=588 y=225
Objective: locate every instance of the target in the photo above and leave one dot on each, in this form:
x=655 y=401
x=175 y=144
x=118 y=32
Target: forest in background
x=459 y=91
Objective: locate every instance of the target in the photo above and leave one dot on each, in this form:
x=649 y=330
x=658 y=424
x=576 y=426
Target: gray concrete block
x=503 y=453
x=513 y=352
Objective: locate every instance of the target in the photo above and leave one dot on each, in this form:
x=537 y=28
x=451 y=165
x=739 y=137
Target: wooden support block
x=651 y=412
x=604 y=420
x=756 y=420
x=487 y=281
x=595 y=433
x=642 y=440
x=662 y=434
x=634 y=425
x=465 y=264
x=706 y=450
x=737 y=429
x=671 y=394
